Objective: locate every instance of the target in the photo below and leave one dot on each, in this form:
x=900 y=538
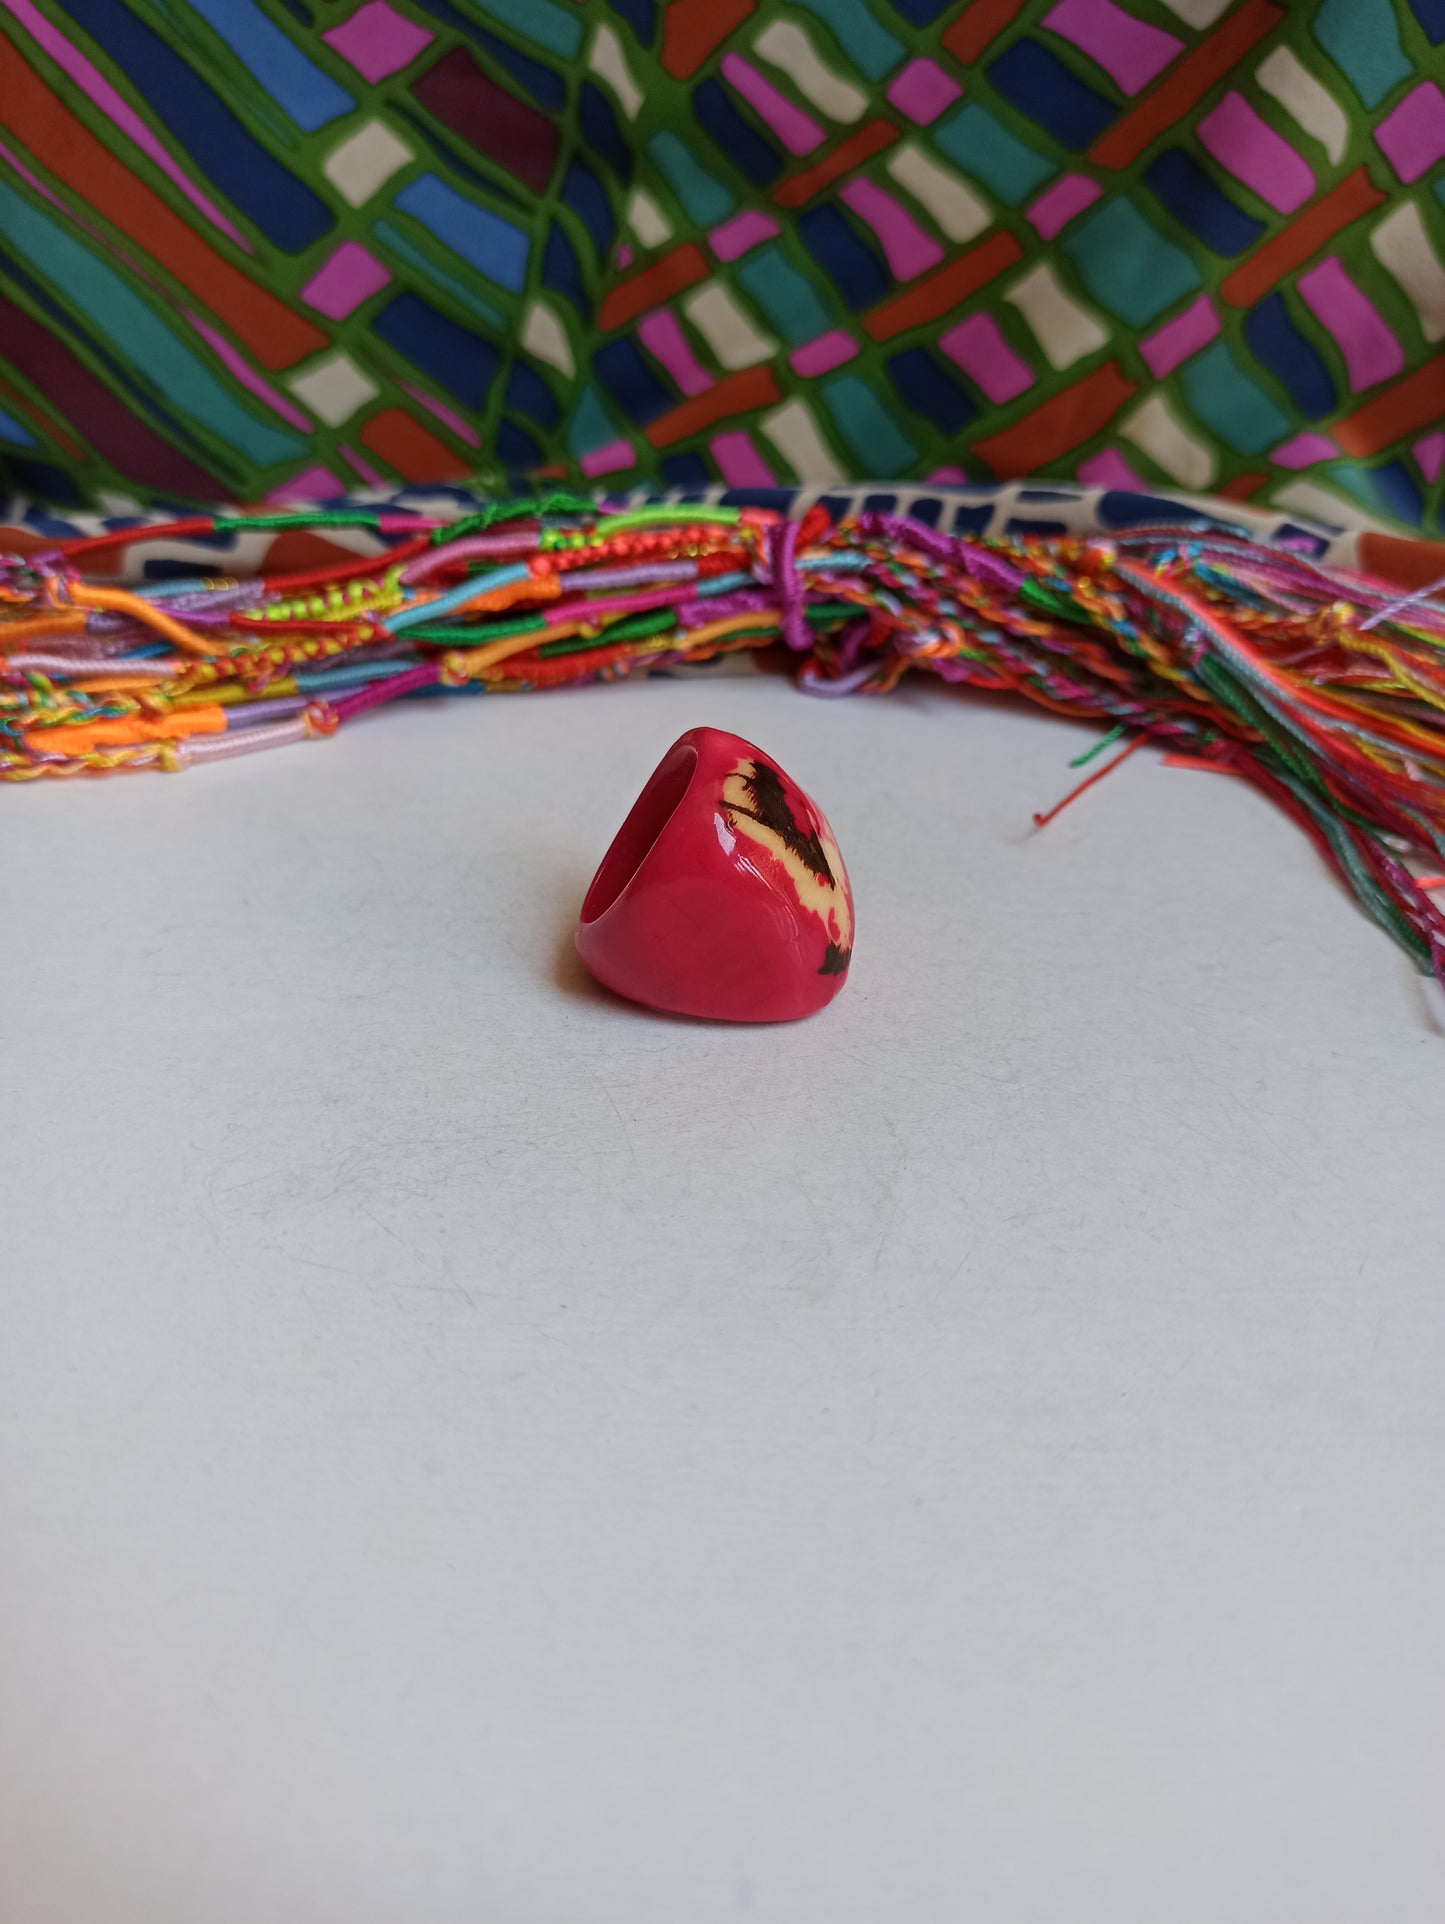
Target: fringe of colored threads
x=1324 y=687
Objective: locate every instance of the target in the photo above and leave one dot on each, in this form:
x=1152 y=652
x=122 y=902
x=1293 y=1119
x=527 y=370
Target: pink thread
x=782 y=544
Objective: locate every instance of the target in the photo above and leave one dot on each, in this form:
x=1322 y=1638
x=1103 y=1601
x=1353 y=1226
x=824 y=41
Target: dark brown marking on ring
x=770 y=809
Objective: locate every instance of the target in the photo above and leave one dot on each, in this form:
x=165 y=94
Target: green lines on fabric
x=391 y=237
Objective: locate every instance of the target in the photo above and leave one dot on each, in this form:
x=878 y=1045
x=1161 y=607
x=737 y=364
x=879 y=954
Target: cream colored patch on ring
x=827 y=900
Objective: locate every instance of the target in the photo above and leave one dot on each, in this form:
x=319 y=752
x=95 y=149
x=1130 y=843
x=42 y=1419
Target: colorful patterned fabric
x=266 y=249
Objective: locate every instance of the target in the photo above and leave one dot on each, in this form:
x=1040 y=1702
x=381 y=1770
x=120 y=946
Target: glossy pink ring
x=723 y=893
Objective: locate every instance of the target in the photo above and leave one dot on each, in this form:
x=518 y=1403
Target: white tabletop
x=472 y=1452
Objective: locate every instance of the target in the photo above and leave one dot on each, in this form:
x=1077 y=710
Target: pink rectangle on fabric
x=661 y=334
x=799 y=133
x=827 y=351
x=1109 y=469
x=624 y=254
x=1430 y=453
x=1303 y=450
x=344 y=280
x=741 y=464
x=743 y=231
x=979 y=348
x=448 y=417
x=947 y=475
x=1254 y=153
x=377 y=40
x=909 y=250
x=1058 y=204
x=1412 y=136
x=608 y=459
x=1130 y=51
x=1371 y=351
x=1181 y=337
x=312 y=484
x=923 y=90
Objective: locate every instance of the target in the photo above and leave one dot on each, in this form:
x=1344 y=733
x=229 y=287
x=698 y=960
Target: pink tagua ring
x=723 y=894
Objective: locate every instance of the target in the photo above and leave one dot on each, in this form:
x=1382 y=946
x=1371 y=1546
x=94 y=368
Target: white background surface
x=474 y=1453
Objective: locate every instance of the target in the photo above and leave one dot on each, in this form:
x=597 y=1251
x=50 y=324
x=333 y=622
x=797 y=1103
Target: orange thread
x=75 y=737
x=145 y=611
x=65 y=621
x=1041 y=821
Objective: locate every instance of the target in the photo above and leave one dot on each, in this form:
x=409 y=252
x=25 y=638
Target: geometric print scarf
x=266 y=250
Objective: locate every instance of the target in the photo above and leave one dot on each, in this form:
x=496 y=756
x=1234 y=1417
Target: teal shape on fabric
x=549 y=26
x=14 y=433
x=487 y=242
x=1127 y=265
x=146 y=341
x=871 y=47
x=1363 y=40
x=979 y=143
x=297 y=85
x=706 y=199
x=591 y=426
x=1354 y=481
x=1226 y=400
x=785 y=296
x=397 y=243
x=870 y=431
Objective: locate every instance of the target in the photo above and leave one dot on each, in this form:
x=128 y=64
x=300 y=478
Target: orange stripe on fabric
x=36 y=116
x=1305 y=235
x=869 y=140
x=753 y=388
x=692 y=28
x=1394 y=557
x=1195 y=74
x=1059 y=425
x=73 y=738
x=978 y=25
x=943 y=291
x=1243 y=487
x=683 y=267
x=1416 y=402
x=414 y=451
